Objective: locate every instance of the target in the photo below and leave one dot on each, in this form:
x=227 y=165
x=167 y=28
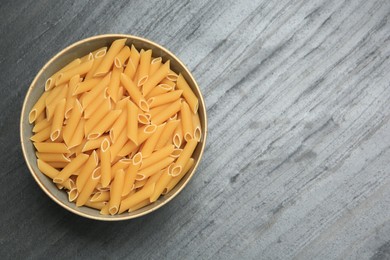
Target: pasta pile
x=116 y=128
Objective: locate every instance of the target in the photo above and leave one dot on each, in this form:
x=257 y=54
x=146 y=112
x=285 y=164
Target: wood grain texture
x=297 y=163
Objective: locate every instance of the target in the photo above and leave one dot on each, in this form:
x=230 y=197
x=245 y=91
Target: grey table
x=297 y=163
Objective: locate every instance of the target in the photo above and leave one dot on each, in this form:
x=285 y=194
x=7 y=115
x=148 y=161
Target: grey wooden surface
x=297 y=163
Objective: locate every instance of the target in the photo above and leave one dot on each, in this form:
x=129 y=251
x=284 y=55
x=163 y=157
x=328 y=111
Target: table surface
x=297 y=161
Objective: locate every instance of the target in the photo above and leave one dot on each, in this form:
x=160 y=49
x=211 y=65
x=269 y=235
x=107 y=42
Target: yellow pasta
x=164 y=98
x=144 y=65
x=132 y=64
x=167 y=133
x=186 y=119
x=188 y=94
x=134 y=93
x=112 y=131
x=121 y=57
x=108 y=60
x=105 y=162
x=116 y=191
x=154 y=79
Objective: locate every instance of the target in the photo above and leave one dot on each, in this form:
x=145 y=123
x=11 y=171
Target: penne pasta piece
x=87 y=57
x=93 y=144
x=50 y=108
x=78 y=135
x=100 y=196
x=97 y=116
x=175 y=180
x=85 y=86
x=172 y=76
x=40 y=118
x=154 y=79
x=58 y=165
x=154 y=111
x=157 y=156
x=105 y=162
x=151 y=142
x=176 y=153
x=158 y=90
x=99 y=88
x=108 y=60
x=88 y=188
x=96 y=205
x=113 y=87
x=143 y=118
x=196 y=126
x=132 y=122
x=51 y=147
x=50 y=81
x=38 y=108
x=70 y=99
x=166 y=82
x=167 y=133
x=132 y=64
x=116 y=191
x=74 y=165
x=154 y=65
x=186 y=121
x=188 y=94
x=87 y=170
x=121 y=57
x=98 y=58
x=73 y=121
x=58 y=120
x=52 y=157
x=184 y=157
x=153 y=169
x=104 y=124
x=178 y=136
x=164 y=98
x=41 y=125
x=139 y=205
x=162 y=182
x=134 y=93
x=42 y=135
x=139 y=184
x=131 y=173
x=118 y=145
x=144 y=65
x=164 y=115
x=143 y=133
x=118 y=126
x=72 y=195
x=104 y=210
x=81 y=70
x=47 y=169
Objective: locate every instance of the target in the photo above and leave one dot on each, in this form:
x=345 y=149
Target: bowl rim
x=103 y=217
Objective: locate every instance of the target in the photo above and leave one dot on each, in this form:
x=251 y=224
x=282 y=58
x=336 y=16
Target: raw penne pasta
x=167 y=134
x=111 y=130
x=38 y=108
x=87 y=170
x=186 y=120
x=132 y=122
x=188 y=94
x=132 y=64
x=105 y=162
x=74 y=165
x=88 y=188
x=151 y=142
x=154 y=79
x=51 y=147
x=184 y=157
x=144 y=65
x=164 y=98
x=50 y=82
x=108 y=60
x=121 y=57
x=81 y=70
x=154 y=65
x=165 y=114
x=175 y=180
x=113 y=87
x=134 y=93
x=116 y=191
x=52 y=157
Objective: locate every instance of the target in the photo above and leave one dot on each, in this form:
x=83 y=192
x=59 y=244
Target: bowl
x=36 y=89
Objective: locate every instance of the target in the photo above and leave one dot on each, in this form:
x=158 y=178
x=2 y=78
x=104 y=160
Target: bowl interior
x=36 y=89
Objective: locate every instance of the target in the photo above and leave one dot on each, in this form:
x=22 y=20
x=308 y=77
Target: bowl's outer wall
x=78 y=50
